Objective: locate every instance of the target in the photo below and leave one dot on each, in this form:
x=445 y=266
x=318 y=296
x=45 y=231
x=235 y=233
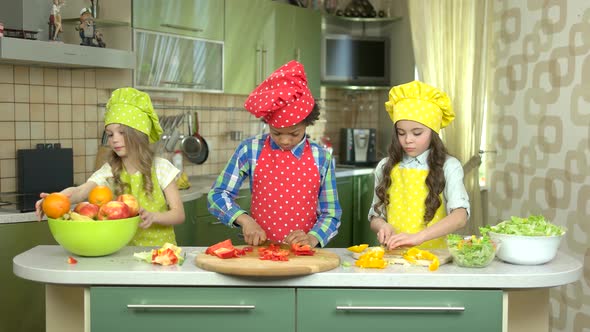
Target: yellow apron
x=156 y=234
x=406 y=208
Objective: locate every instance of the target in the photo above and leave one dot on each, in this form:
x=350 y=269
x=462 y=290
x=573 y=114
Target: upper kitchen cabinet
x=278 y=33
x=249 y=44
x=194 y=18
x=298 y=37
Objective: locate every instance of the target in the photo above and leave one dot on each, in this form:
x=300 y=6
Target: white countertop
x=200 y=186
x=48 y=264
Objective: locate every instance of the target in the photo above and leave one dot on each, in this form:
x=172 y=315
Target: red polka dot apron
x=406 y=208
x=285 y=192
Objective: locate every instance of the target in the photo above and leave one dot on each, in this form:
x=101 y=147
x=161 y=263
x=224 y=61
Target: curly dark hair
x=435 y=181
x=309 y=119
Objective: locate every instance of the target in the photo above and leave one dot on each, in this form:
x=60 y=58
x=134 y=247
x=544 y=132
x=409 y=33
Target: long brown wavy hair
x=138 y=148
x=435 y=181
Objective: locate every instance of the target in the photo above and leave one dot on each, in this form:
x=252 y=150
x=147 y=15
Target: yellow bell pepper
x=414 y=254
x=372 y=259
x=358 y=248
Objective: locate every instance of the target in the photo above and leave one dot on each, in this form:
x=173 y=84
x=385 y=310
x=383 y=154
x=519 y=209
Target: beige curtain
x=452 y=41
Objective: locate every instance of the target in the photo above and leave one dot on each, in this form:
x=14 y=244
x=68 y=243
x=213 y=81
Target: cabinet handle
x=180 y=27
x=402 y=309
x=258 y=65
x=263 y=63
x=298 y=54
x=181 y=83
x=190 y=306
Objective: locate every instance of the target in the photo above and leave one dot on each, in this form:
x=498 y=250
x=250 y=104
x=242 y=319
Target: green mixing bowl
x=93 y=238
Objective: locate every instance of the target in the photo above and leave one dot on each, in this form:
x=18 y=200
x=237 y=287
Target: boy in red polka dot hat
x=292 y=180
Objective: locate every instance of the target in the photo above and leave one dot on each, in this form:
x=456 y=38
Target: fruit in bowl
x=93 y=237
x=472 y=251
x=526 y=241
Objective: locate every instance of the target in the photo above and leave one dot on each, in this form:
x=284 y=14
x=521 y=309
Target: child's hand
x=300 y=237
x=38 y=206
x=148 y=218
x=253 y=234
x=403 y=240
x=385 y=232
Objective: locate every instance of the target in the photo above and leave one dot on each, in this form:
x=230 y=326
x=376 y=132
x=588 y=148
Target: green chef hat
x=133 y=108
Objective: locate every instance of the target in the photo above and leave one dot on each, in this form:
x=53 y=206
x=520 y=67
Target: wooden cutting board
x=395 y=256
x=251 y=265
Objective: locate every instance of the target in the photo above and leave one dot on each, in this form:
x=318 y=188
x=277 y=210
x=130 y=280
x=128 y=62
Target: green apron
x=156 y=234
x=406 y=208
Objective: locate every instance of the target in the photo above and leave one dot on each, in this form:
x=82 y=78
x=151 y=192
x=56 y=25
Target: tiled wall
x=49 y=105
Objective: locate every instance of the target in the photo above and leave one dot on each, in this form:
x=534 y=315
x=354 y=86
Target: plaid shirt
x=221 y=198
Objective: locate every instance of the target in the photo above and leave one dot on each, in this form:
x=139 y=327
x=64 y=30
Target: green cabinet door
x=249 y=39
x=171 y=309
x=194 y=18
x=344 y=237
x=364 y=190
x=186 y=232
x=209 y=230
x=348 y=310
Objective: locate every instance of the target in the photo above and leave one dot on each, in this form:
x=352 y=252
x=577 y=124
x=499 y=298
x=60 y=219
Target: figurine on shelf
x=55 y=26
x=87 y=28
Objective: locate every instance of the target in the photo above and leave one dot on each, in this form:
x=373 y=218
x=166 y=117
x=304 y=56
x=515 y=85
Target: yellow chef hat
x=133 y=108
x=422 y=103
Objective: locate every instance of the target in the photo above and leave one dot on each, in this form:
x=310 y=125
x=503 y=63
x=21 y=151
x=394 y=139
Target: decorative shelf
x=364 y=19
x=100 y=22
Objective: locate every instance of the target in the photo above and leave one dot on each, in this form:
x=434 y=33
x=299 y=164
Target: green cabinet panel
x=398 y=310
x=344 y=237
x=186 y=232
x=208 y=230
x=172 y=309
x=364 y=186
x=249 y=38
x=194 y=18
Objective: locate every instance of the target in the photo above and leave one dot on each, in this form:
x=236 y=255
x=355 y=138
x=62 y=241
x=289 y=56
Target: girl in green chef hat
x=131 y=125
x=419 y=192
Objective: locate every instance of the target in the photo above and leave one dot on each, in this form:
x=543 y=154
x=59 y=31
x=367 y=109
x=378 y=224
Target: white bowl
x=526 y=250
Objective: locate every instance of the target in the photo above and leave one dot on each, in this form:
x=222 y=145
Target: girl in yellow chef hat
x=419 y=192
x=131 y=125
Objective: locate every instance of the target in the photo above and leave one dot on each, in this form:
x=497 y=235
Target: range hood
x=24 y=51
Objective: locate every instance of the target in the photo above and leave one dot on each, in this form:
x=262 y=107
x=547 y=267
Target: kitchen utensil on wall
x=173 y=139
x=194 y=146
x=103 y=152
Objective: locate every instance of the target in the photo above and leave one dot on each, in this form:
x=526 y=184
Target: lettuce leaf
x=531 y=226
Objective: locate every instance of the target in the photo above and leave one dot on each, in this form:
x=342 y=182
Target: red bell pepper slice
x=223 y=244
x=164 y=257
x=225 y=253
x=72 y=260
x=302 y=250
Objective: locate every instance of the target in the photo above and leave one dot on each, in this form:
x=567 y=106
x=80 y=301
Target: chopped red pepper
x=164 y=256
x=302 y=250
x=225 y=253
x=223 y=244
x=72 y=260
x=273 y=253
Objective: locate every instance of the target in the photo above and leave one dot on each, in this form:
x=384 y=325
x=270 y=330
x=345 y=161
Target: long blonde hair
x=138 y=148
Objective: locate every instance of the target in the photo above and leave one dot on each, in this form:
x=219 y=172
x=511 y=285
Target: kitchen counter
x=101 y=293
x=48 y=264
x=200 y=186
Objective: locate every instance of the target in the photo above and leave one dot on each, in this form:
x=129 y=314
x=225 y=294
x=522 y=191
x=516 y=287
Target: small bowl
x=526 y=250
x=476 y=255
x=93 y=238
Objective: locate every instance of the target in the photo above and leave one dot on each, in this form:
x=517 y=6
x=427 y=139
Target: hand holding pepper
x=300 y=237
x=253 y=234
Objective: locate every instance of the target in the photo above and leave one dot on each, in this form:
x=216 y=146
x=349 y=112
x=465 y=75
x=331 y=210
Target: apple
x=131 y=202
x=113 y=210
x=87 y=209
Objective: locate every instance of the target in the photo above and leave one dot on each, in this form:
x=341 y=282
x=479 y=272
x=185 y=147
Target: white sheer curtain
x=452 y=41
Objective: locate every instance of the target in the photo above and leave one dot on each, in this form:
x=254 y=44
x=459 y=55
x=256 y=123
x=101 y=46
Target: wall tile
x=64 y=112
x=89 y=79
x=37 y=112
x=90 y=161
x=78 y=96
x=36 y=94
x=78 y=78
x=90 y=130
x=90 y=97
x=51 y=130
x=23 y=130
x=21 y=93
x=8 y=168
x=78 y=130
x=79 y=164
x=6 y=92
x=50 y=76
x=77 y=112
x=50 y=95
x=8 y=185
x=21 y=75
x=7 y=149
x=90 y=113
x=64 y=78
x=21 y=112
x=66 y=143
x=35 y=75
x=6 y=111
x=6 y=74
x=79 y=146
x=7 y=131
x=20 y=145
x=38 y=130
x=64 y=95
x=51 y=112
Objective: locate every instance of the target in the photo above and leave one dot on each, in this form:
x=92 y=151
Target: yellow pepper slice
x=372 y=259
x=414 y=254
x=358 y=248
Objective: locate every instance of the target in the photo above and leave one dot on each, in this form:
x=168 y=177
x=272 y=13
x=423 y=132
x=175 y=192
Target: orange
x=100 y=195
x=55 y=205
